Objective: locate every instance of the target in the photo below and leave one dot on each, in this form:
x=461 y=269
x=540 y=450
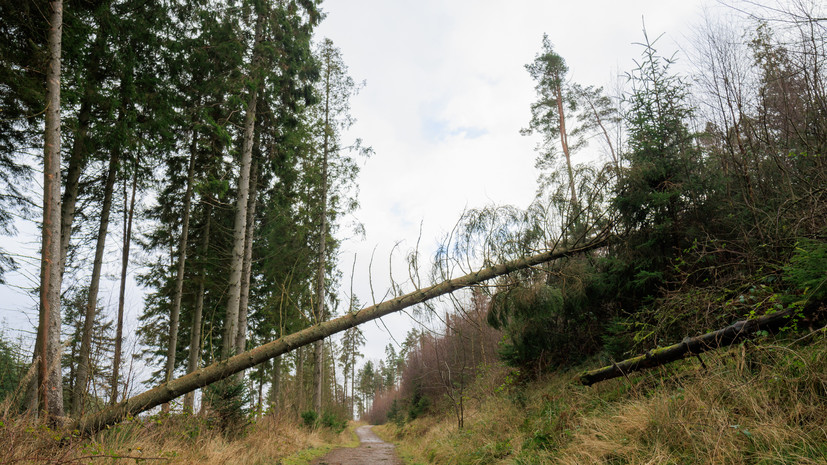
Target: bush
x=309 y=418
x=226 y=400
x=807 y=270
x=333 y=422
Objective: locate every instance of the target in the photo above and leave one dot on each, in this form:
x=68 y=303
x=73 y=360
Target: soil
x=371 y=451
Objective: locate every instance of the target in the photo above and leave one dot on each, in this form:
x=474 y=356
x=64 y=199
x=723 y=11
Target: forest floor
x=371 y=451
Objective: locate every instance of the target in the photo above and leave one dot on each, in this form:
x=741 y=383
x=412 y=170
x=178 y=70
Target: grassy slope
x=177 y=439
x=758 y=403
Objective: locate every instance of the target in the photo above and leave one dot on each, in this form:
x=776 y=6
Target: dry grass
x=754 y=404
x=178 y=439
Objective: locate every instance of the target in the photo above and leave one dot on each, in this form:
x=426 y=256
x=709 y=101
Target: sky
x=445 y=98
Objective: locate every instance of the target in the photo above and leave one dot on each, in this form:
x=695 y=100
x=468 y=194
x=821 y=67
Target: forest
x=215 y=139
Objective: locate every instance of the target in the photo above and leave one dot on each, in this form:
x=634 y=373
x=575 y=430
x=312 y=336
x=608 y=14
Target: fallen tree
x=225 y=368
x=690 y=346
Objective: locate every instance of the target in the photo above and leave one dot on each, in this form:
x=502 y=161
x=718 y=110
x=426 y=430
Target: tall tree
x=50 y=372
x=242 y=199
x=336 y=171
x=352 y=341
x=129 y=214
x=79 y=393
x=172 y=343
x=548 y=113
x=194 y=353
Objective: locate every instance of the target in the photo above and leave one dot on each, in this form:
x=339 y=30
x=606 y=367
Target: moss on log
x=690 y=346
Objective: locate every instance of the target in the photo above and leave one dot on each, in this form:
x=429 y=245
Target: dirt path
x=371 y=451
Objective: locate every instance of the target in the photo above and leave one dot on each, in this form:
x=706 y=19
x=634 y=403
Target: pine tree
x=548 y=114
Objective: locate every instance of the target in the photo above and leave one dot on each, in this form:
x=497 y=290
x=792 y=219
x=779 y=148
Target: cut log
x=690 y=346
x=225 y=368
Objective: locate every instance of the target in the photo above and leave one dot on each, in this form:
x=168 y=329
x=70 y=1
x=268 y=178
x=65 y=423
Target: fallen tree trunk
x=225 y=368
x=690 y=346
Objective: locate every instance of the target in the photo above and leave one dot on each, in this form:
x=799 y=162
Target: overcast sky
x=446 y=96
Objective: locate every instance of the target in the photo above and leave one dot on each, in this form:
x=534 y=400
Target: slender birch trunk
x=50 y=374
x=127 y=240
x=195 y=329
x=79 y=391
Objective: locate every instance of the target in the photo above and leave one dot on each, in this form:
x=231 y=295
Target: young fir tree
x=660 y=190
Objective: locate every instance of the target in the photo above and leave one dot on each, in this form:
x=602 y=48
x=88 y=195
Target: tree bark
x=564 y=139
x=127 y=240
x=195 y=329
x=262 y=353
x=79 y=391
x=175 y=312
x=247 y=268
x=690 y=346
x=320 y=273
x=72 y=182
x=240 y=228
x=50 y=374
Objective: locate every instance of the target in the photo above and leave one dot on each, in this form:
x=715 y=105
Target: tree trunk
x=247 y=268
x=127 y=240
x=227 y=367
x=299 y=379
x=195 y=328
x=276 y=385
x=240 y=228
x=564 y=139
x=79 y=392
x=50 y=374
x=333 y=375
x=690 y=346
x=175 y=312
x=320 y=273
x=77 y=159
x=353 y=383
x=74 y=169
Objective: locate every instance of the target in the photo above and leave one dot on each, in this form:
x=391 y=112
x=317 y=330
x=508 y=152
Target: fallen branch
x=690 y=346
x=225 y=368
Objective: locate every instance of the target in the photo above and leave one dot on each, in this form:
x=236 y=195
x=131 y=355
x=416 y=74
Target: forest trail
x=371 y=451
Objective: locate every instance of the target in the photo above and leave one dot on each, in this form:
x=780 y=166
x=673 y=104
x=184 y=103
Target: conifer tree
x=548 y=114
x=50 y=372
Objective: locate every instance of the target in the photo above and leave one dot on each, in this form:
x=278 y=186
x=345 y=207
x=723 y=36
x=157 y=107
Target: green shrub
x=807 y=270
x=333 y=422
x=227 y=399
x=309 y=418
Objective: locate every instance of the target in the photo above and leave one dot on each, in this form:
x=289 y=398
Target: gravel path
x=371 y=451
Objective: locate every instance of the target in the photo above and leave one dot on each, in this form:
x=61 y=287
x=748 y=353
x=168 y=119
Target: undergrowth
x=761 y=402
x=172 y=439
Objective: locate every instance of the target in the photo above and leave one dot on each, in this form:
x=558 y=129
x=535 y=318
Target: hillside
x=761 y=402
